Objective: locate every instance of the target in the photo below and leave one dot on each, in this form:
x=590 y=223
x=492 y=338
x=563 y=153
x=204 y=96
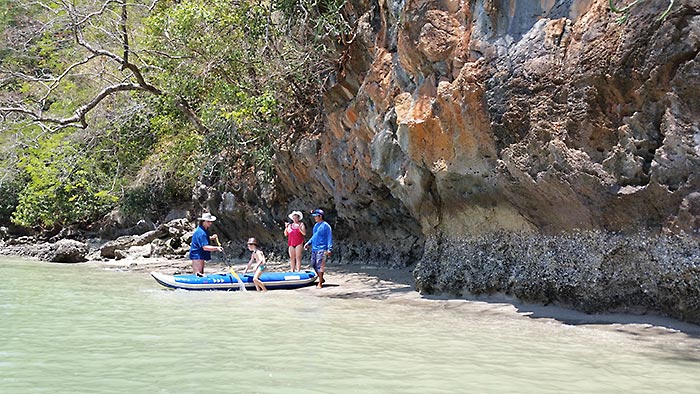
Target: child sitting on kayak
x=257 y=256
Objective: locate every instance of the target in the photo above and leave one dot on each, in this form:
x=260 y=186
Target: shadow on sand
x=384 y=283
x=650 y=322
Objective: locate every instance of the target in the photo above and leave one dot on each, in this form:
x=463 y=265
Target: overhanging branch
x=78 y=117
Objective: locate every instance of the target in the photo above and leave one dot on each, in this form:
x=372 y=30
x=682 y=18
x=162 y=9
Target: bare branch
x=78 y=118
x=98 y=12
x=185 y=108
x=167 y=55
x=57 y=80
x=125 y=36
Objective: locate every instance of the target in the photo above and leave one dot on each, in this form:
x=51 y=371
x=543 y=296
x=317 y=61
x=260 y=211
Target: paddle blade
x=241 y=286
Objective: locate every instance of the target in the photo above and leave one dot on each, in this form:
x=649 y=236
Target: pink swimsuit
x=295 y=237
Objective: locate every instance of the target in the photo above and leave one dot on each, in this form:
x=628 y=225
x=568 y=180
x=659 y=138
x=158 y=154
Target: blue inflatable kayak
x=226 y=281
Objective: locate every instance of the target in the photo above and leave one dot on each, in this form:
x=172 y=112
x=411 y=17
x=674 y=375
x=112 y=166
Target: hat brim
x=291 y=215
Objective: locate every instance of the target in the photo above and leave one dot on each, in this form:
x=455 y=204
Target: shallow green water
x=76 y=329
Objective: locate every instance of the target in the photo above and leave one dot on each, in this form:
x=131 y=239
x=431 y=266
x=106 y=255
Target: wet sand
x=398 y=286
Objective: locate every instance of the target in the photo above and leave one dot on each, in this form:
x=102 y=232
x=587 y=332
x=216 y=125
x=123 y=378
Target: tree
x=81 y=45
x=210 y=82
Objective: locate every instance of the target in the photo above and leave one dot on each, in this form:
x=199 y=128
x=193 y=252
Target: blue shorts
x=317 y=260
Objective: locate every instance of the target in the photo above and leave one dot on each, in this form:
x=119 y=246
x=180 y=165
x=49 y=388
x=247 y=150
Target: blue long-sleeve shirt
x=322 y=238
x=200 y=239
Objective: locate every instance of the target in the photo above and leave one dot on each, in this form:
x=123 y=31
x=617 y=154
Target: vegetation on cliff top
x=114 y=103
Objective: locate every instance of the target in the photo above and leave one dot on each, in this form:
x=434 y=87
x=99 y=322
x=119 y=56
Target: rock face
x=452 y=121
x=592 y=271
x=480 y=116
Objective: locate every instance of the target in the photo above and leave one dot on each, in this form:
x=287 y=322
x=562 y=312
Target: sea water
x=78 y=329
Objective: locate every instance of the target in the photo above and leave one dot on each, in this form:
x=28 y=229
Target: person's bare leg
x=320 y=272
x=198 y=267
x=299 y=251
x=292 y=255
x=259 y=285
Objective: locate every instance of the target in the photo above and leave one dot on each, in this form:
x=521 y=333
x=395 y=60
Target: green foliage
x=12 y=179
x=320 y=20
x=168 y=173
x=68 y=177
x=63 y=185
x=230 y=77
x=11 y=185
x=219 y=64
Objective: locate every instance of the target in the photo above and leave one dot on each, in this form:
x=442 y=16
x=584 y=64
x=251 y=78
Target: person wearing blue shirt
x=200 y=250
x=321 y=244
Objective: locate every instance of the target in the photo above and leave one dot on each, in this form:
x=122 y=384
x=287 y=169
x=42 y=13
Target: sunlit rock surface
x=456 y=121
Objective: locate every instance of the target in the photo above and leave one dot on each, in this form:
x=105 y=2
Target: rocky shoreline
x=358 y=281
x=593 y=271
x=345 y=280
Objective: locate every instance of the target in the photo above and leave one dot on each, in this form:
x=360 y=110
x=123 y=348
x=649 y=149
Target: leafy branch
x=125 y=77
x=625 y=11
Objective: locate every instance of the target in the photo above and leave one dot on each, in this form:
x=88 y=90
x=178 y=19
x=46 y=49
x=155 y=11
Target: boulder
x=65 y=251
x=176 y=214
x=178 y=227
x=142 y=226
x=68 y=232
x=150 y=236
x=122 y=243
x=139 y=251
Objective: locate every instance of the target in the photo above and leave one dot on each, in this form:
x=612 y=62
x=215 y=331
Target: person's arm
x=329 y=239
x=302 y=229
x=210 y=248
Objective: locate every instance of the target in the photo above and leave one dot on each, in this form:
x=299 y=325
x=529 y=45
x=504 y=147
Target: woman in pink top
x=295 y=233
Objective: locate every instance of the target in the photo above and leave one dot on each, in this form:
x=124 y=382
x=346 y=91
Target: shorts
x=261 y=267
x=317 y=260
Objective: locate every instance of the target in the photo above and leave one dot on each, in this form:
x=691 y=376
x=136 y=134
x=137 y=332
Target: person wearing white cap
x=295 y=232
x=200 y=250
x=321 y=242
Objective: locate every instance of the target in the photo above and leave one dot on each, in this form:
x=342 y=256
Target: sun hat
x=252 y=241
x=291 y=215
x=207 y=217
x=318 y=212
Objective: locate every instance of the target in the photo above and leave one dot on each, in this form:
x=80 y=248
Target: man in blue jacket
x=321 y=244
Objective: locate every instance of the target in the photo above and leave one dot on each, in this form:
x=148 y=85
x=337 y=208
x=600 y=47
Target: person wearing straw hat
x=200 y=249
x=295 y=232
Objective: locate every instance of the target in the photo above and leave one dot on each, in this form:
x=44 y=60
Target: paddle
x=241 y=286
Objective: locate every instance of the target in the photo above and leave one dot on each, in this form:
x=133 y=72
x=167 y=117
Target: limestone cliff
x=474 y=136
x=538 y=116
